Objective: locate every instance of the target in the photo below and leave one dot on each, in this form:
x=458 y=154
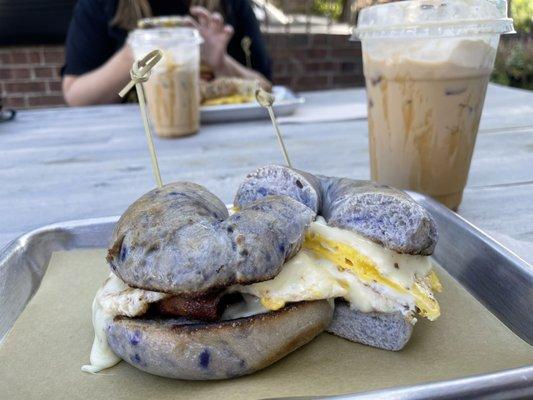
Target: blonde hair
x=130 y=11
x=211 y=5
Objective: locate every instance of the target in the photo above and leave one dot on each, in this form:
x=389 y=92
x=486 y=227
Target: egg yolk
x=233 y=99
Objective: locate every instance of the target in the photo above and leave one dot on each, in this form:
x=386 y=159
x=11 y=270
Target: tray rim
x=480 y=233
x=509 y=383
x=285 y=105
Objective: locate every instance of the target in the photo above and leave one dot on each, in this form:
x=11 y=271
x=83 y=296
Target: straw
x=266 y=100
x=140 y=72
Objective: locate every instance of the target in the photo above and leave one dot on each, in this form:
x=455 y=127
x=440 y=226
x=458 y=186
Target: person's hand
x=216 y=37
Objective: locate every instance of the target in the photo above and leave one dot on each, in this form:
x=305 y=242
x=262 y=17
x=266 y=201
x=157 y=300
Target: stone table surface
x=73 y=163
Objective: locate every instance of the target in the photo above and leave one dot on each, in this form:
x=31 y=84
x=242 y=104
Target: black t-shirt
x=91 y=40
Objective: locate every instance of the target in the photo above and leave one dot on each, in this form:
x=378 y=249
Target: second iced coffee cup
x=427 y=65
x=172 y=92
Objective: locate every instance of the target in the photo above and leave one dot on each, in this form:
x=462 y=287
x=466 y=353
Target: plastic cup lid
x=433 y=18
x=166 y=36
x=165 y=21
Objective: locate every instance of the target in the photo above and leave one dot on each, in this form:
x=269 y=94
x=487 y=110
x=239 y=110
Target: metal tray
x=498 y=278
x=286 y=104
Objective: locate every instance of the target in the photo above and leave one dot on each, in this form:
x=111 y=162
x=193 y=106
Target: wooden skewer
x=246 y=44
x=266 y=100
x=140 y=72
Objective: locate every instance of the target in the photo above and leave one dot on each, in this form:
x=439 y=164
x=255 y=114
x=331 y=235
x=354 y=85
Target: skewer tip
x=264 y=98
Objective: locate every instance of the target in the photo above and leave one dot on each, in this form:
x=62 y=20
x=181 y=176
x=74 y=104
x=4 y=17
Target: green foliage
x=522 y=13
x=328 y=8
x=514 y=63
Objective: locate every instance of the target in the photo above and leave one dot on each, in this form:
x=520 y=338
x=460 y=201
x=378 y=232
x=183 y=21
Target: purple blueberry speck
x=204 y=359
x=135 y=338
x=123 y=253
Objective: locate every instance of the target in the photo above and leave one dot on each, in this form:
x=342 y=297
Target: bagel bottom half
x=389 y=331
x=181 y=349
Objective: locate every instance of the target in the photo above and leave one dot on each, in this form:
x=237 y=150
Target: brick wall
x=30 y=75
x=315 y=61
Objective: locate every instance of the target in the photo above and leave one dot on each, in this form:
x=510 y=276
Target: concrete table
x=63 y=164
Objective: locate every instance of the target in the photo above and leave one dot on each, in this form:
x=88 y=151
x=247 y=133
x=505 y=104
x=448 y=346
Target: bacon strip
x=205 y=308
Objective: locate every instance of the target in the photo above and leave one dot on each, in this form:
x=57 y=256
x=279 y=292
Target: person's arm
x=94 y=70
x=216 y=36
x=100 y=86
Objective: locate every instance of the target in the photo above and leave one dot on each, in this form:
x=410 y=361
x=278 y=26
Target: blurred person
x=98 y=60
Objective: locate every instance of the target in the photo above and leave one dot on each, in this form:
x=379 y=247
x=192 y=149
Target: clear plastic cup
x=427 y=65
x=172 y=92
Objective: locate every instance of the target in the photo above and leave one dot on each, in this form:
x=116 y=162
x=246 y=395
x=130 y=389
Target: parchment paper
x=42 y=355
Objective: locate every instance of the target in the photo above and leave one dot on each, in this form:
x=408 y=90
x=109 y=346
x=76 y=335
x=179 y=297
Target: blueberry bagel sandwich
x=169 y=306
x=227 y=90
x=368 y=248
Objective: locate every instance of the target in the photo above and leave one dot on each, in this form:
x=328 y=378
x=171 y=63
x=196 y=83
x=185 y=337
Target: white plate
x=286 y=104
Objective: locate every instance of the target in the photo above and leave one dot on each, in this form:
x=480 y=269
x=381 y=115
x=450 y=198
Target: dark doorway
x=34 y=21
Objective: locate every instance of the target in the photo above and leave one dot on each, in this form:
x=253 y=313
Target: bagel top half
x=383 y=214
x=180 y=239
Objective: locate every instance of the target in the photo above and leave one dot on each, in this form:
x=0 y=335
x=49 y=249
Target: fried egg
x=337 y=263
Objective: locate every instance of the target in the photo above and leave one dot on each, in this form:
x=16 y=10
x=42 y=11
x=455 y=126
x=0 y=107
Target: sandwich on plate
x=198 y=292
x=227 y=90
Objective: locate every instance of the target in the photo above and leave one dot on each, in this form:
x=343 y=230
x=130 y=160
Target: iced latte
x=426 y=87
x=173 y=99
x=172 y=92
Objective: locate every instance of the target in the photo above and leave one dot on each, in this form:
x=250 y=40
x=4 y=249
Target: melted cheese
x=306 y=277
x=112 y=299
x=250 y=305
x=339 y=263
